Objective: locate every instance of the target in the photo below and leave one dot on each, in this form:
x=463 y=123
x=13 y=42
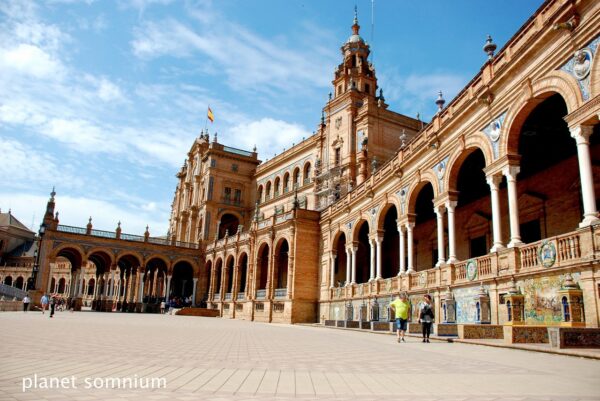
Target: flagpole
x=206 y=119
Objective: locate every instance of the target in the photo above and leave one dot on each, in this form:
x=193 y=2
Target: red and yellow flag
x=210 y=115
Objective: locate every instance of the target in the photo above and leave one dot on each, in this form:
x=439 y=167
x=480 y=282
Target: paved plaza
x=219 y=359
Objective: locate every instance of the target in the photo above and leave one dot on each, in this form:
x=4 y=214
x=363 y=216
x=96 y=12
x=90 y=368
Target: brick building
x=496 y=195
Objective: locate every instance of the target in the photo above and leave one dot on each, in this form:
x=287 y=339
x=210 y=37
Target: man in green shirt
x=401 y=307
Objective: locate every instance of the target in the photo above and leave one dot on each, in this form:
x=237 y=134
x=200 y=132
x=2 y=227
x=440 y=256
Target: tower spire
x=355 y=26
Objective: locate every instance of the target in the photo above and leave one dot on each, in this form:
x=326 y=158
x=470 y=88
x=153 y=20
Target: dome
x=355 y=39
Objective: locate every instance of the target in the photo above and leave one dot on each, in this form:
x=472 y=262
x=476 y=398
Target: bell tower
x=356 y=72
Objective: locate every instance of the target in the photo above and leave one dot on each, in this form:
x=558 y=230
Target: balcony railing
x=217 y=296
x=280 y=292
x=241 y=296
x=228 y=296
x=126 y=237
x=261 y=294
x=566 y=250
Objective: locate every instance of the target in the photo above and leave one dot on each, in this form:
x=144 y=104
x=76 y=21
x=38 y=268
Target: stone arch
x=336 y=238
x=157 y=256
x=70 y=249
x=384 y=208
x=8 y=280
x=281 y=262
x=458 y=157
x=102 y=250
x=595 y=76
x=263 y=256
x=134 y=254
x=188 y=260
x=357 y=226
x=557 y=82
x=413 y=192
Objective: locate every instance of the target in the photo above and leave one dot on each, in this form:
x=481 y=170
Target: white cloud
x=249 y=61
x=108 y=91
x=270 y=136
x=30 y=60
x=24 y=167
x=75 y=211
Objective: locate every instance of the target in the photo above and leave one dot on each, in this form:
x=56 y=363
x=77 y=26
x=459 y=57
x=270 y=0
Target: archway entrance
x=341 y=262
x=281 y=268
x=363 y=254
x=425 y=234
x=390 y=248
x=182 y=283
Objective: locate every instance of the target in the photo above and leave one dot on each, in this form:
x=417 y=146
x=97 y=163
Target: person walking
x=401 y=306
x=426 y=317
x=44 y=303
x=52 y=305
x=26 y=302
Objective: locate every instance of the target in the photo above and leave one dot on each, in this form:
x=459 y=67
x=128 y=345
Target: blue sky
x=104 y=98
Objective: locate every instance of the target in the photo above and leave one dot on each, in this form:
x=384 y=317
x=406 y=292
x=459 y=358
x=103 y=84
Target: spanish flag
x=210 y=115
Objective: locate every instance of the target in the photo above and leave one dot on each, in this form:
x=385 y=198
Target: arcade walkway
x=218 y=359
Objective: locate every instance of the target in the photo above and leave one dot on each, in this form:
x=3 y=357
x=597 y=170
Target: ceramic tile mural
x=336 y=311
x=542 y=305
x=466 y=311
x=416 y=301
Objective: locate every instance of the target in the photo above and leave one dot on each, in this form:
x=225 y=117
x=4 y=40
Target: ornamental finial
x=489 y=47
x=440 y=101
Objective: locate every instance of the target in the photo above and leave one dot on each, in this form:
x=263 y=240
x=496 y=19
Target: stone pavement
x=219 y=359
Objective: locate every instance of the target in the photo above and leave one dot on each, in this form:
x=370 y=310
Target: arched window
x=259 y=194
x=509 y=309
x=276 y=188
x=268 y=191
x=286 y=182
x=296 y=177
x=306 y=174
x=566 y=310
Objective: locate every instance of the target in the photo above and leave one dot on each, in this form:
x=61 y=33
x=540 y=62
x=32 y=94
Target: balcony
x=565 y=250
x=217 y=296
x=280 y=292
x=261 y=294
x=241 y=296
x=228 y=296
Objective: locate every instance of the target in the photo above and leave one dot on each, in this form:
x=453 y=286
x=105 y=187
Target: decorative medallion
x=439 y=170
x=547 y=254
x=580 y=65
x=349 y=225
x=338 y=122
x=494 y=131
x=402 y=196
x=471 y=269
x=422 y=279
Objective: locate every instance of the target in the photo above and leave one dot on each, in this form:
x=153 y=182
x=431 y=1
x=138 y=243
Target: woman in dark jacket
x=426 y=317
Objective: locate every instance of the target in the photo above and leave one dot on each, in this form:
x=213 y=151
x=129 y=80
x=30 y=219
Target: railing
x=261 y=294
x=217 y=296
x=280 y=292
x=126 y=237
x=12 y=292
x=241 y=296
x=228 y=296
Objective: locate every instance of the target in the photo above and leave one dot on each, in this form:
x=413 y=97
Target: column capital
x=333 y=254
x=494 y=180
x=451 y=205
x=409 y=225
x=581 y=133
x=511 y=171
x=439 y=210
